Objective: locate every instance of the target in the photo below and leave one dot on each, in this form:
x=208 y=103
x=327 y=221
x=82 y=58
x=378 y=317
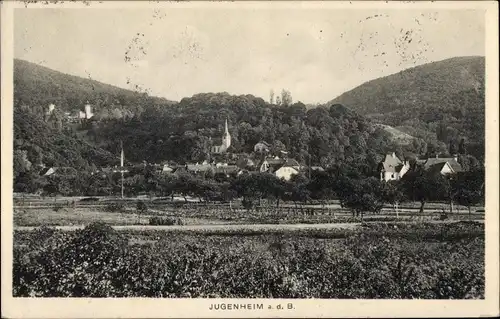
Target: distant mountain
x=442 y=99
x=38 y=86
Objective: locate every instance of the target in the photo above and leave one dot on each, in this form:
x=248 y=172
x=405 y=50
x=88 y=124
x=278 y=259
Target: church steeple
x=226 y=139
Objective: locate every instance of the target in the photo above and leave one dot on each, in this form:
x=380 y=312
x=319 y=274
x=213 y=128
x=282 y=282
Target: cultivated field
x=78 y=212
x=106 y=247
x=378 y=260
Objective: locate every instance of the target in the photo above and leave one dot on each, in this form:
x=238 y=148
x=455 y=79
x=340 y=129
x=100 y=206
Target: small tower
x=88 y=111
x=226 y=138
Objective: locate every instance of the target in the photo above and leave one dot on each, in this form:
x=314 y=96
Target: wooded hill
x=442 y=100
x=155 y=129
x=35 y=85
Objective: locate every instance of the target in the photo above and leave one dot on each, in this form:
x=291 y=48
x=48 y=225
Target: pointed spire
x=226 y=130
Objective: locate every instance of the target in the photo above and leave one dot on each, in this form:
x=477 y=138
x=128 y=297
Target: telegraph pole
x=122 y=157
x=122 y=182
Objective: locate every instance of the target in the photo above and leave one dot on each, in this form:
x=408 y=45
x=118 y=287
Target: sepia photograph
x=247 y=153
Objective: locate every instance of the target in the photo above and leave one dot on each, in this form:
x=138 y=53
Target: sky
x=315 y=53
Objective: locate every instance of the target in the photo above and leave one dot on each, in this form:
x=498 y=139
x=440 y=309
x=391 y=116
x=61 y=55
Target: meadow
x=377 y=260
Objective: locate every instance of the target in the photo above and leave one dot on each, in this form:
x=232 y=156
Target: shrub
x=57 y=207
x=248 y=204
x=89 y=199
x=115 y=207
x=141 y=207
x=168 y=221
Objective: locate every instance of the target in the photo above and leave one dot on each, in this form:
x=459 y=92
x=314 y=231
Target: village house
x=59 y=171
x=199 y=168
x=261 y=147
x=441 y=165
x=286 y=172
x=167 y=168
x=87 y=114
x=50 y=109
x=227 y=169
x=245 y=163
x=392 y=168
x=280 y=167
x=47 y=171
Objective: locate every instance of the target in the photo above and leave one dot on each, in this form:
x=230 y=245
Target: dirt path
x=229 y=227
x=213 y=227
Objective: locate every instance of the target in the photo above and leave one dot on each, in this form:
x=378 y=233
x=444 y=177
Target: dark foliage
x=415 y=261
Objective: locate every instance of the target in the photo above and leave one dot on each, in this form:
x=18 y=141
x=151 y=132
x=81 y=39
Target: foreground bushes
x=100 y=262
x=168 y=221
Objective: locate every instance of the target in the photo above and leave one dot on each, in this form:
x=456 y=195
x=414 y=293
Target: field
x=217 y=250
x=374 y=260
x=71 y=212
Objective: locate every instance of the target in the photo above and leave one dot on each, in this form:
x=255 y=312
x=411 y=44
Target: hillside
x=443 y=99
x=38 y=86
x=398 y=136
x=182 y=132
x=42 y=142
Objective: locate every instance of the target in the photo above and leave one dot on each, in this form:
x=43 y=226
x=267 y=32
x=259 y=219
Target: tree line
x=356 y=192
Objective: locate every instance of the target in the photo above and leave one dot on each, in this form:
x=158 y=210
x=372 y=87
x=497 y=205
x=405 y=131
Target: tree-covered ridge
x=35 y=85
x=184 y=132
x=38 y=141
x=441 y=100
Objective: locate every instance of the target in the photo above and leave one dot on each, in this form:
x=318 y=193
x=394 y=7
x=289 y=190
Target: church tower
x=226 y=138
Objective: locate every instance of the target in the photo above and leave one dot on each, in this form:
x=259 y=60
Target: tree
x=62 y=184
x=392 y=193
x=469 y=162
x=462 y=147
x=186 y=185
x=167 y=185
x=321 y=186
x=361 y=195
x=286 y=97
x=134 y=185
x=29 y=182
x=141 y=208
x=276 y=188
x=208 y=190
x=469 y=197
x=277 y=147
x=227 y=193
x=297 y=189
x=246 y=187
x=468 y=188
x=422 y=186
x=452 y=148
x=21 y=162
x=271 y=97
x=278 y=100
